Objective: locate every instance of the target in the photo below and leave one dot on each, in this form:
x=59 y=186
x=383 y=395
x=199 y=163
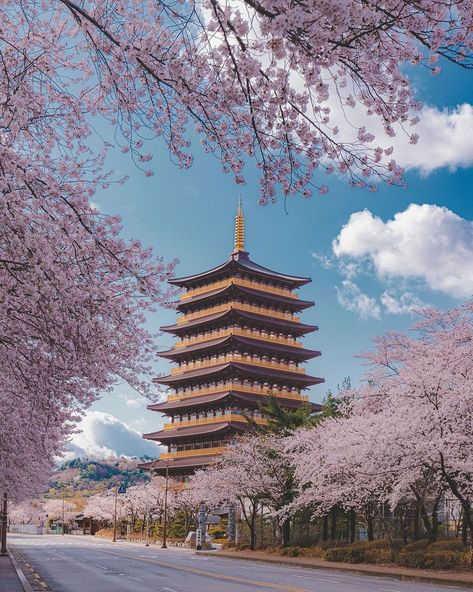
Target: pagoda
x=238 y=342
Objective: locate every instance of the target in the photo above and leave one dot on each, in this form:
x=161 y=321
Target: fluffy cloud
x=102 y=435
x=402 y=304
x=352 y=298
x=135 y=403
x=445 y=138
x=424 y=242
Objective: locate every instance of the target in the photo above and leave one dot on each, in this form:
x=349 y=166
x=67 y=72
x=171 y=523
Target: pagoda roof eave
x=204 y=400
x=199 y=430
x=247 y=369
x=177 y=463
x=244 y=264
x=294 y=326
x=299 y=352
x=294 y=303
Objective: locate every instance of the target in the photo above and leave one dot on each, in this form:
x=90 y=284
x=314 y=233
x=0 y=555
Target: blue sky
x=189 y=214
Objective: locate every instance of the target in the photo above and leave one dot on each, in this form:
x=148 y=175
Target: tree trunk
x=435 y=519
x=333 y=524
x=286 y=533
x=403 y=519
x=325 y=528
x=457 y=493
x=464 y=529
x=416 y=525
x=426 y=521
x=369 y=524
x=352 y=526
x=252 y=526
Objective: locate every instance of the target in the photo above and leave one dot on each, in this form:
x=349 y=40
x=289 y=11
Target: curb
x=20 y=574
x=427 y=578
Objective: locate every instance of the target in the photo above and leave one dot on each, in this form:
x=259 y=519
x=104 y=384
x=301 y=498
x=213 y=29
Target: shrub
x=291 y=551
x=345 y=554
x=430 y=559
x=217 y=532
x=448 y=545
x=315 y=552
x=332 y=544
x=442 y=560
x=411 y=558
x=378 y=555
x=417 y=545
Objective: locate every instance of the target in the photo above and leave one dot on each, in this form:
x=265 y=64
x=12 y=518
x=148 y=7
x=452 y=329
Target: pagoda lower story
x=239 y=341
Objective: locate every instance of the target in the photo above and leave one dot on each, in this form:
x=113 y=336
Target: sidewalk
x=9 y=580
x=451 y=578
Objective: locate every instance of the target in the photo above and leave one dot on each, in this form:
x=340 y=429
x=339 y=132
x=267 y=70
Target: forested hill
x=87 y=477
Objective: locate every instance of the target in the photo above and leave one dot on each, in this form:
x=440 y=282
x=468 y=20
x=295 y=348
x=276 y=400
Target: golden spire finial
x=239 y=229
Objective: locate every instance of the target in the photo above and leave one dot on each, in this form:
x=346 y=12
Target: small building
x=238 y=341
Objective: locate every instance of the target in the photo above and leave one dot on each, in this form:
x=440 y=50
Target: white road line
x=169 y=589
x=101 y=566
x=133 y=578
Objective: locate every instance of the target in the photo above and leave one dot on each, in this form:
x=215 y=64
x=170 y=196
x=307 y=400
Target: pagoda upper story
x=239 y=340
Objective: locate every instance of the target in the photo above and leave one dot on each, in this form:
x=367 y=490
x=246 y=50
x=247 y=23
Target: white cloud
x=135 y=403
x=102 y=435
x=400 y=304
x=424 y=242
x=445 y=140
x=353 y=299
x=326 y=262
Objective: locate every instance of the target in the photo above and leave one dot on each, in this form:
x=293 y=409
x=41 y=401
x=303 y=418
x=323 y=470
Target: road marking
x=169 y=589
x=215 y=575
x=133 y=578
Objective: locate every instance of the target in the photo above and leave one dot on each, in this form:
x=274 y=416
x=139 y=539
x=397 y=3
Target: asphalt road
x=87 y=564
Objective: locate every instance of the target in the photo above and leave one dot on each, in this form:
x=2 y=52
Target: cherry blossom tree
x=250 y=474
x=72 y=307
x=101 y=507
x=259 y=79
x=55 y=509
x=425 y=383
x=148 y=498
x=30 y=511
x=405 y=435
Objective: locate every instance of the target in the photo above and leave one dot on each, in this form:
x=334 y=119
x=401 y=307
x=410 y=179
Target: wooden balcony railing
x=262 y=310
x=291 y=341
x=198 y=452
x=209 y=420
x=239 y=282
x=224 y=359
x=243 y=388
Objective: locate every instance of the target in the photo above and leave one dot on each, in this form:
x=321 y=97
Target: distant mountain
x=87 y=477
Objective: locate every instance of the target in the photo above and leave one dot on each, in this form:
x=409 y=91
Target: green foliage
x=447 y=554
x=420 y=545
x=282 y=420
x=292 y=551
x=218 y=532
x=345 y=555
x=362 y=552
x=89 y=477
x=448 y=545
x=430 y=559
x=178 y=527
